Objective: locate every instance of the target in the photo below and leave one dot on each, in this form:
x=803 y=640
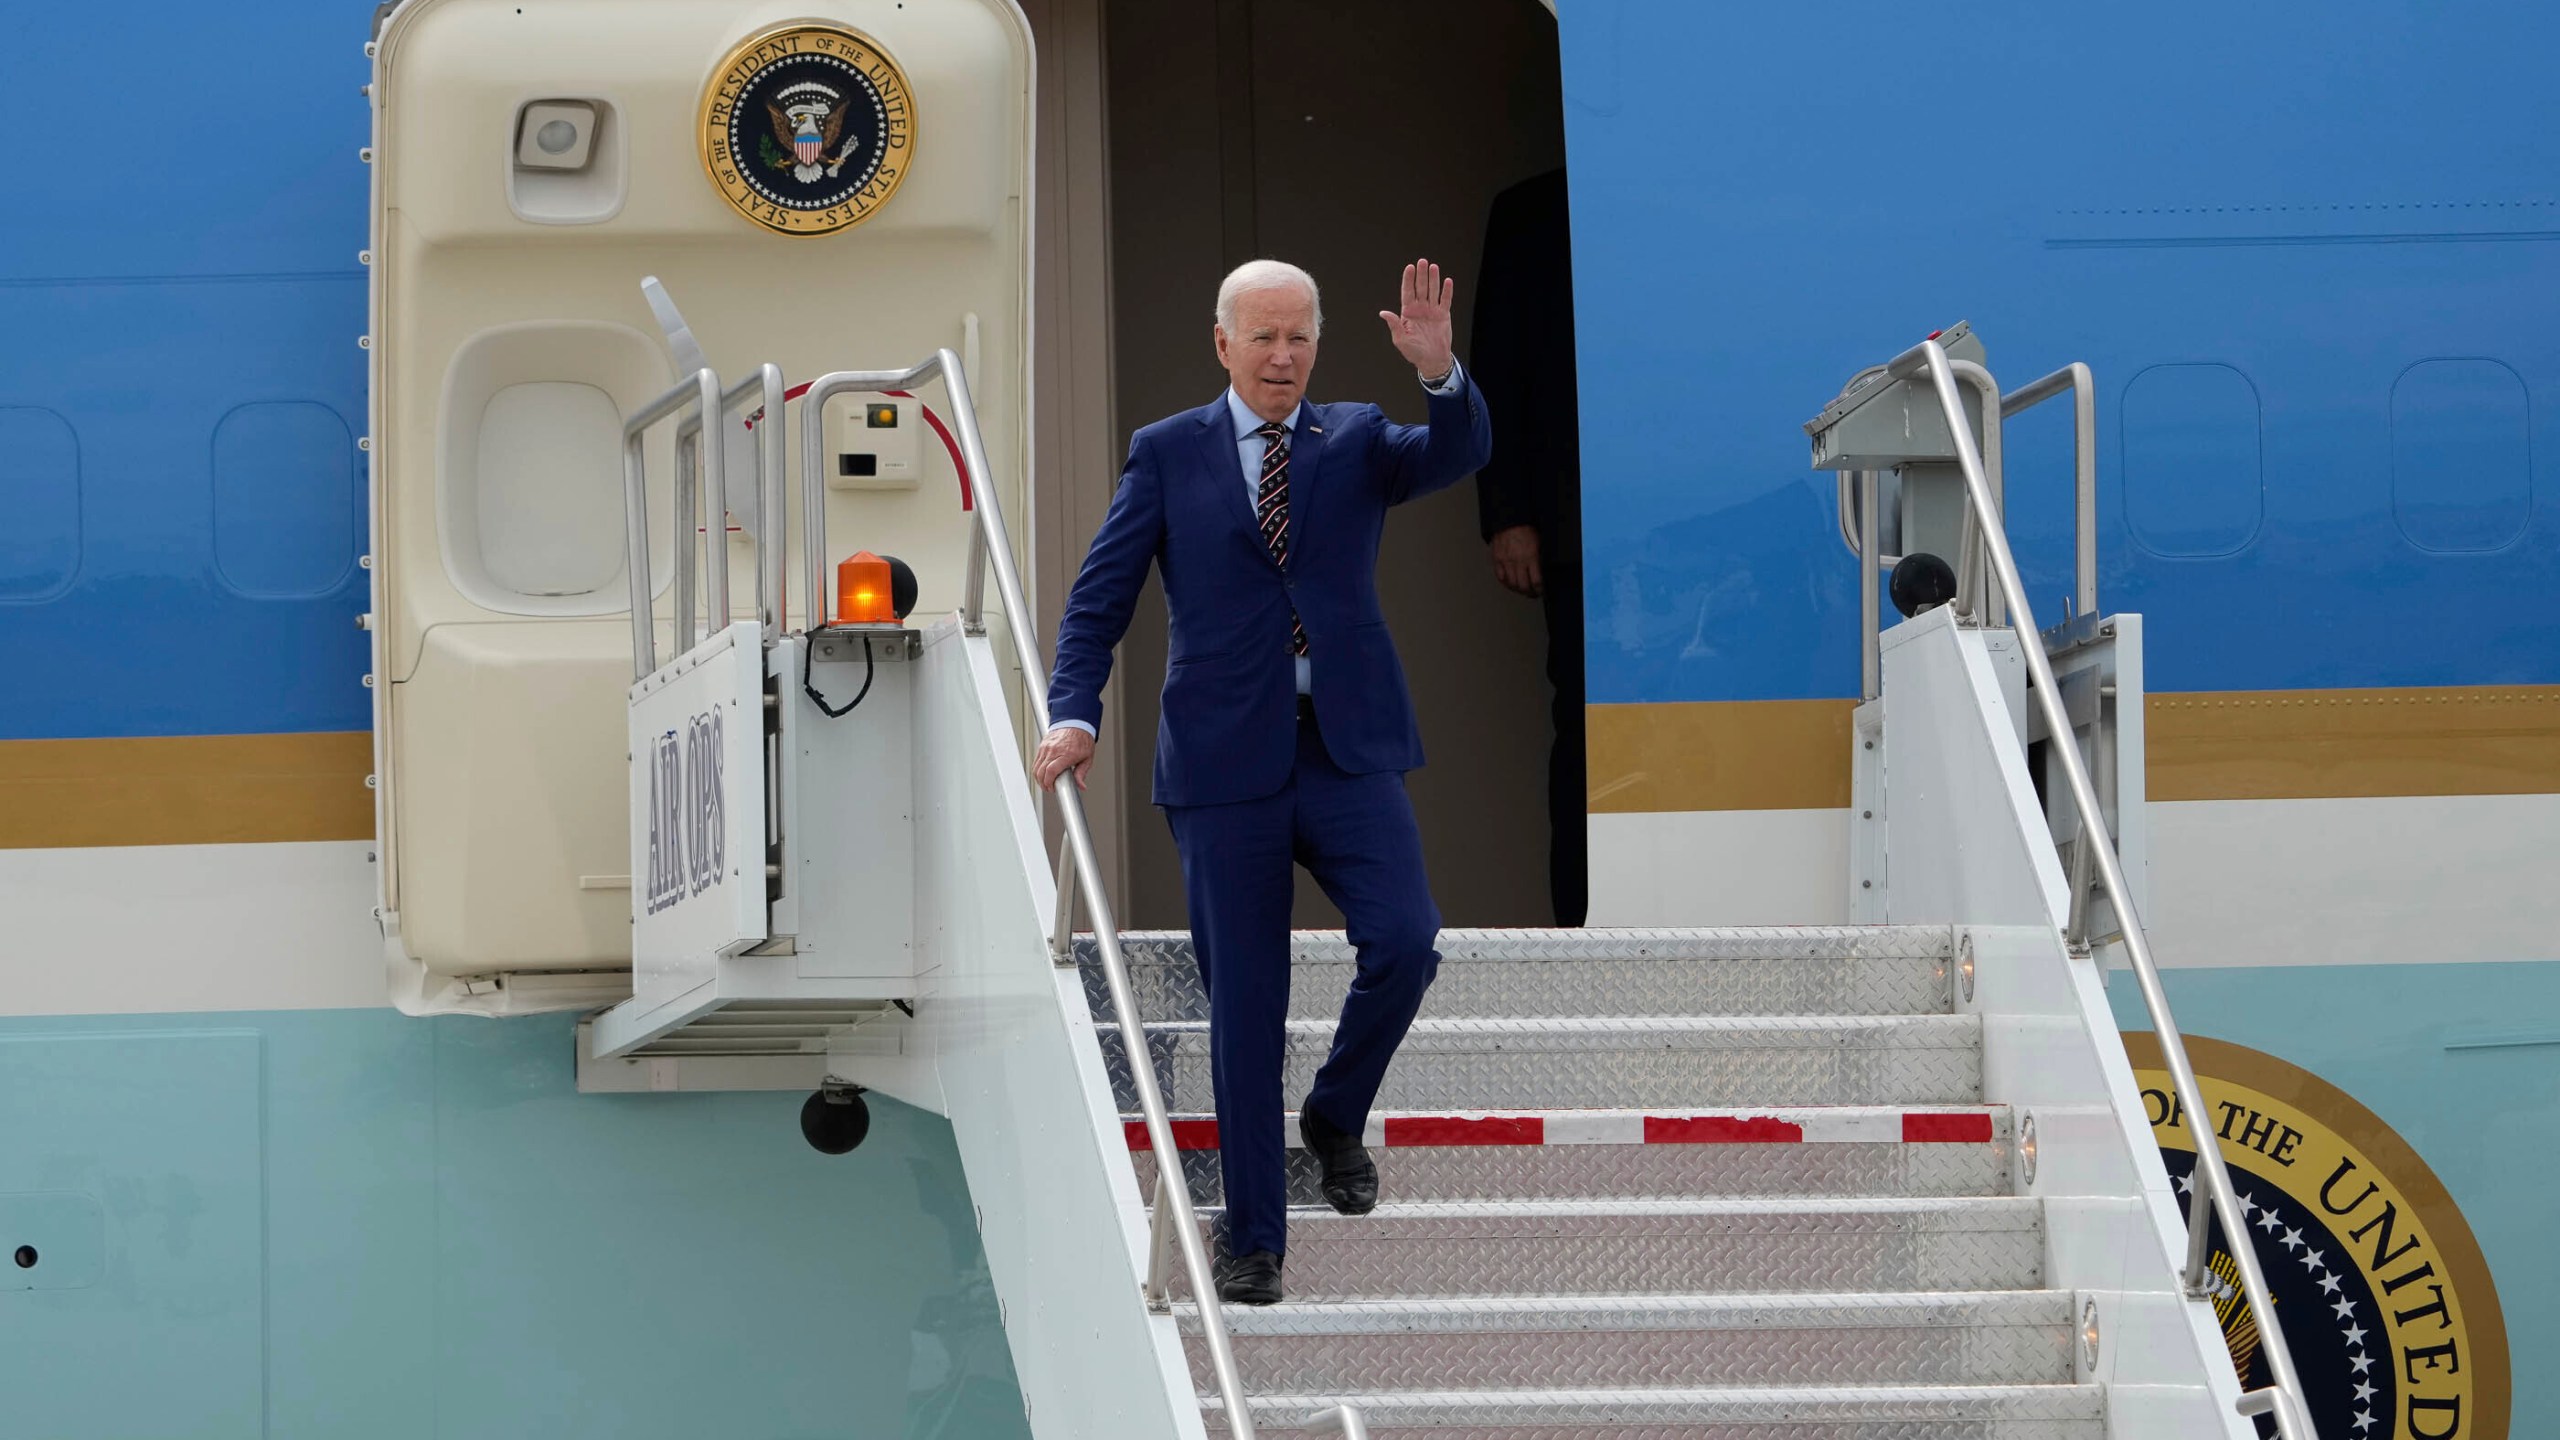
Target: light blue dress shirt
x=1249 y=450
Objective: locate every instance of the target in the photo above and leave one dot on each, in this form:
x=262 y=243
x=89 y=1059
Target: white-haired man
x=1286 y=729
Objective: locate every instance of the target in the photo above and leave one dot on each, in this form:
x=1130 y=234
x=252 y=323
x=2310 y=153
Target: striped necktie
x=1271 y=511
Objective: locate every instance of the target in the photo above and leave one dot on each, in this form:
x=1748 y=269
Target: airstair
x=1888 y=1181
x=1881 y=1181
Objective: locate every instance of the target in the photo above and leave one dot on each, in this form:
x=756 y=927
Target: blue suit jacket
x=1229 y=726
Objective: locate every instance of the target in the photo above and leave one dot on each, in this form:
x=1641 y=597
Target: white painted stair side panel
x=1970 y=846
x=1003 y=1044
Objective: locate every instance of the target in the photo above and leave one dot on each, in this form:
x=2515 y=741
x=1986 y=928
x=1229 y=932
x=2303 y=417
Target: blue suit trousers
x=1356 y=835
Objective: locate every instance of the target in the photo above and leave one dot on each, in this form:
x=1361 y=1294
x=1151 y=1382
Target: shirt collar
x=1246 y=422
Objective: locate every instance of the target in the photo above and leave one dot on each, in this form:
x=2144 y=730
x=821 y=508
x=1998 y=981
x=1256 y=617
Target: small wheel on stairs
x=835 y=1119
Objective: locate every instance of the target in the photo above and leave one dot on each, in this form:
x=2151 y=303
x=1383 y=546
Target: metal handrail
x=1174 y=1216
x=766 y=389
x=2075 y=378
x=1971 y=603
x=2214 y=1190
x=700 y=391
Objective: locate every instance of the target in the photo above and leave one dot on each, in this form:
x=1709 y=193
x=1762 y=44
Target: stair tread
x=1697 y=1405
x=1946 y=1031
x=1408 y=1315
x=1644 y=1063
x=1759 y=942
x=1819 y=971
x=1502 y=1112
x=1840 y=1120
x=1947 y=1212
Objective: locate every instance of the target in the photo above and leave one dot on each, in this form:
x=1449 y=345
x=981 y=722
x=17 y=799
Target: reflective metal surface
x=1566 y=973
x=1479 y=1064
x=1656 y=1247
x=2021 y=1337
x=2041 y=1412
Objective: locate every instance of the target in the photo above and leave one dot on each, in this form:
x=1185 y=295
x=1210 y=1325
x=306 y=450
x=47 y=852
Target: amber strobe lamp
x=862 y=590
x=873 y=589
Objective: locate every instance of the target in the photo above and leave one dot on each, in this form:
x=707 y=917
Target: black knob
x=835 y=1119
x=1922 y=582
x=26 y=1257
x=902 y=586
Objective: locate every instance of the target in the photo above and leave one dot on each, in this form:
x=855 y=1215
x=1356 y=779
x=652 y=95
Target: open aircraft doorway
x=1240 y=130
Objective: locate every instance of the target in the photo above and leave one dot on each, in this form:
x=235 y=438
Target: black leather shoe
x=1249 y=1279
x=1350 y=1176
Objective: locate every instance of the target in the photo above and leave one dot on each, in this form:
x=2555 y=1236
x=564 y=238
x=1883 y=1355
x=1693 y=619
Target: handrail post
x=688 y=512
x=635 y=556
x=702 y=389
x=1340 y=1418
x=2074 y=377
x=1870 y=602
x=2199 y=1233
x=715 y=500
x=1062 y=936
x=773 y=485
x=813 y=496
x=707 y=430
x=2084 y=487
x=1971 y=599
x=2077 y=932
x=2212 y=1176
x=1160 y=1238
x=988 y=535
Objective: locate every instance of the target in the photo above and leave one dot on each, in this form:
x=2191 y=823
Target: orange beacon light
x=863 y=591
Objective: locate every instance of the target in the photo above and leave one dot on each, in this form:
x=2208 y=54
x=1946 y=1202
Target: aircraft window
x=2461 y=464
x=284 y=500
x=2194 y=466
x=39 y=503
x=550 y=489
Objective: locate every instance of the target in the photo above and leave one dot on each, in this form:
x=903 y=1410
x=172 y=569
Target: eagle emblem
x=808 y=120
x=807 y=128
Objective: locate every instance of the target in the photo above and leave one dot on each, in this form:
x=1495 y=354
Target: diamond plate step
x=1617 y=1063
x=1809 y=970
x=1986 y=1412
x=1665 y=1247
x=1601 y=1155
x=1995 y=1337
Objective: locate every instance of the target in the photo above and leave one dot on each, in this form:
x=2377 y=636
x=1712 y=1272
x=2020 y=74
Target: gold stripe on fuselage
x=185 y=790
x=1704 y=755
x=2227 y=745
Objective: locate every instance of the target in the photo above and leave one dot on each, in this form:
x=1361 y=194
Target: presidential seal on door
x=807 y=129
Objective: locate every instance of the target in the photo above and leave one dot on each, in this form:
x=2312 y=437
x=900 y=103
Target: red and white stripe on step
x=1811 y=1126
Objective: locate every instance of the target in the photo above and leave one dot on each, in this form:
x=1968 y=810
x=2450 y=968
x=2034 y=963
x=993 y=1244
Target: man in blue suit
x=1286 y=727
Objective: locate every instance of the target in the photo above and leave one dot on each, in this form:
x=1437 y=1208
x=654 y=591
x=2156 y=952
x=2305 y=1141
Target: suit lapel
x=1226 y=474
x=1306 y=456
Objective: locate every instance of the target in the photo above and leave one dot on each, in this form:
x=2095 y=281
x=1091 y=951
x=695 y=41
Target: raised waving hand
x=1420 y=329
